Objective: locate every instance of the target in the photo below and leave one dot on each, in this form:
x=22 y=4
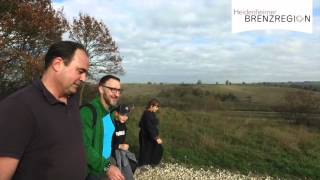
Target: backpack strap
x=111 y=111
x=94 y=113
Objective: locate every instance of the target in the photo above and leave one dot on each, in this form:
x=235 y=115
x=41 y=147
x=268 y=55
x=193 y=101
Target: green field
x=234 y=127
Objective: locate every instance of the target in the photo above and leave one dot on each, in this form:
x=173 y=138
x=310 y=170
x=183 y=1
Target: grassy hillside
x=233 y=127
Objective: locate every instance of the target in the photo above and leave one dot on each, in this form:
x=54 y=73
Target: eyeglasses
x=113 y=90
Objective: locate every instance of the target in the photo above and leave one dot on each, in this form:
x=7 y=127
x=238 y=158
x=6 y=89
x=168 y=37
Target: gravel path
x=175 y=171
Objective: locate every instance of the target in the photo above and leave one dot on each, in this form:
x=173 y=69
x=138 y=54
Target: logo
x=120 y=133
x=250 y=15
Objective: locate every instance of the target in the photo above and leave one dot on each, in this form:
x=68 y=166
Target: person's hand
x=159 y=140
x=124 y=147
x=114 y=173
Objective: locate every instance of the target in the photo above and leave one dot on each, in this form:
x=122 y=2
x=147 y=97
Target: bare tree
x=96 y=38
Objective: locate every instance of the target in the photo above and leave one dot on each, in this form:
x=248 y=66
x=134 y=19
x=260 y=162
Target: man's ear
x=57 y=64
x=100 y=89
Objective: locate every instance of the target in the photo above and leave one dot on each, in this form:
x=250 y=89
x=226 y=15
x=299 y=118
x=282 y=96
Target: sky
x=174 y=41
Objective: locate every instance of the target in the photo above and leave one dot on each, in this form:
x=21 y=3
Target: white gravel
x=169 y=171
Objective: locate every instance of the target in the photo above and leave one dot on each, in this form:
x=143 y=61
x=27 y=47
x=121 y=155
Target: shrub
x=298 y=105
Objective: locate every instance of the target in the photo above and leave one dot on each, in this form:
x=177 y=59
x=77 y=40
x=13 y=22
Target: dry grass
x=246 y=141
x=291 y=138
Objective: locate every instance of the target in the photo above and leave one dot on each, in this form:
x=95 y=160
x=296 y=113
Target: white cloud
x=175 y=41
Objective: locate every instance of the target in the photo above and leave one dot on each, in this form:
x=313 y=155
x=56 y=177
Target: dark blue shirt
x=43 y=133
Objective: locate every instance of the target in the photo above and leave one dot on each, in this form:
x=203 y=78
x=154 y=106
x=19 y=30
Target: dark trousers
x=92 y=177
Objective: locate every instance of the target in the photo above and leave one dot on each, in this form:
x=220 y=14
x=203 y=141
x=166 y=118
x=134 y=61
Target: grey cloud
x=174 y=41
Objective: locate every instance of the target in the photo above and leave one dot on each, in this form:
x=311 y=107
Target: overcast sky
x=184 y=41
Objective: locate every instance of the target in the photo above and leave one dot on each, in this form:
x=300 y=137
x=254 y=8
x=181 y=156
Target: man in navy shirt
x=40 y=129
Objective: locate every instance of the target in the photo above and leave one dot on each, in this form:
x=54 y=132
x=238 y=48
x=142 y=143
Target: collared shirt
x=43 y=133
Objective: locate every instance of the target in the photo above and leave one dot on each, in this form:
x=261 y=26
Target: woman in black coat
x=149 y=139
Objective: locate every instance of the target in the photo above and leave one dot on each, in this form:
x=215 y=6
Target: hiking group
x=44 y=134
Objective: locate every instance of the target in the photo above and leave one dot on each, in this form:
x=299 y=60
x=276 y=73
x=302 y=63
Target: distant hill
x=308 y=85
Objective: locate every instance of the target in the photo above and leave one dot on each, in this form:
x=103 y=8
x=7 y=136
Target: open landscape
x=245 y=129
x=234 y=104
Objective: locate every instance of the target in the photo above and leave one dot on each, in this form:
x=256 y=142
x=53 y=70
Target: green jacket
x=93 y=137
